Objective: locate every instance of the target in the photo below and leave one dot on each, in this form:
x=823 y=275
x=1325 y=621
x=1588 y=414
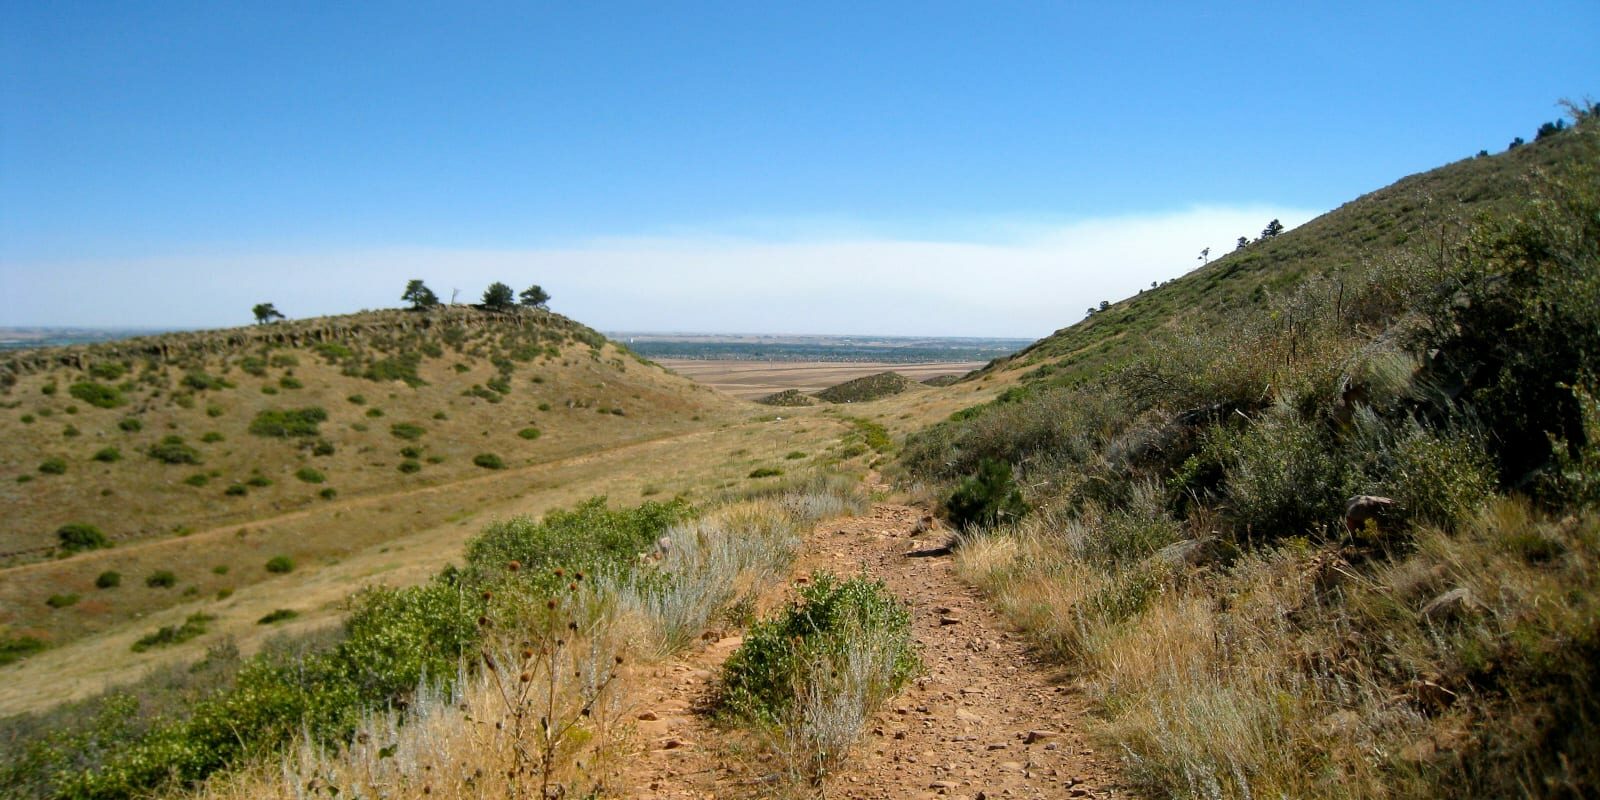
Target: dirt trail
x=987 y=719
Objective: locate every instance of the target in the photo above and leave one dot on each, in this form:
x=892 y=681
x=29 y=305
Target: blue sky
x=738 y=166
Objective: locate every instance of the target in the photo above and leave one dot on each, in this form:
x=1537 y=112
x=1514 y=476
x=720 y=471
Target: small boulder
x=1182 y=554
x=1364 y=507
x=1451 y=605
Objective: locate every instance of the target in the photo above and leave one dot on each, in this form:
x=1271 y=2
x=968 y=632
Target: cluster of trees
x=497 y=297
x=1270 y=232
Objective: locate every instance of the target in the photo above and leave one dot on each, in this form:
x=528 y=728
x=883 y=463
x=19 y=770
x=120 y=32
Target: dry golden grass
x=751 y=380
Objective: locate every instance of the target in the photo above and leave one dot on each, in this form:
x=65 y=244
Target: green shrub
x=71 y=431
x=110 y=579
x=333 y=351
x=61 y=600
x=809 y=644
x=254 y=365
x=15 y=648
x=795 y=455
x=328 y=493
x=236 y=490
x=591 y=538
x=374 y=413
x=488 y=461
x=220 y=569
x=529 y=433
x=322 y=447
x=1284 y=476
x=290 y=382
x=27 y=419
x=259 y=481
x=197 y=479
x=278 y=615
x=168 y=635
x=283 y=423
x=108 y=455
x=988 y=498
x=53 y=466
x=213 y=410
x=402 y=367
x=280 y=565
x=98 y=395
x=765 y=472
x=130 y=424
x=544 y=406
x=269 y=389
x=498 y=384
x=357 y=399
x=309 y=475
x=79 y=536
x=172 y=450
x=107 y=370
x=407 y=430
x=201 y=382
x=410 y=466
x=161 y=579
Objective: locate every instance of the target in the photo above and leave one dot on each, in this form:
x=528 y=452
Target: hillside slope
x=157 y=439
x=1381 y=226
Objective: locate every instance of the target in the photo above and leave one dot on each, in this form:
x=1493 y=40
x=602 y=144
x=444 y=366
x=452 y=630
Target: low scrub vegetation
x=1342 y=546
x=284 y=423
x=499 y=676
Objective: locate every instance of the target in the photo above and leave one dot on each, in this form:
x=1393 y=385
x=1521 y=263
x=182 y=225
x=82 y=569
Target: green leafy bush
x=167 y=635
x=259 y=481
x=280 y=565
x=410 y=466
x=309 y=475
x=76 y=537
x=409 y=431
x=110 y=579
x=198 y=479
x=95 y=394
x=211 y=437
x=201 y=382
x=161 y=579
x=53 y=466
x=107 y=370
x=765 y=472
x=173 y=450
x=1285 y=477
x=809 y=643
x=283 y=423
x=15 y=648
x=529 y=433
x=988 y=498
x=61 y=600
x=108 y=454
x=590 y=538
x=236 y=490
x=130 y=424
x=278 y=615
x=488 y=461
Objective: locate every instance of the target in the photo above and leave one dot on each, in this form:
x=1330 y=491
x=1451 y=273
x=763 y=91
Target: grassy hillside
x=1413 y=215
x=300 y=439
x=1322 y=519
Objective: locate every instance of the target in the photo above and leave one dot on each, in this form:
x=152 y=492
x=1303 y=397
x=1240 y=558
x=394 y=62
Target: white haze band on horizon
x=1024 y=286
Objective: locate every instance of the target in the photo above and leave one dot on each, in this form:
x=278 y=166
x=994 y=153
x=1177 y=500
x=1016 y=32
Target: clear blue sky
x=171 y=163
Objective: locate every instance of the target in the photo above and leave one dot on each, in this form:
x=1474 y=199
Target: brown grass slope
x=411 y=402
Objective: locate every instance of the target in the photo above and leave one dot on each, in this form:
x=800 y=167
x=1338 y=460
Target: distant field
x=750 y=380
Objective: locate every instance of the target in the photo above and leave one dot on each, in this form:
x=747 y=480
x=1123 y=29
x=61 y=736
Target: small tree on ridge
x=534 y=296
x=419 y=295
x=498 y=296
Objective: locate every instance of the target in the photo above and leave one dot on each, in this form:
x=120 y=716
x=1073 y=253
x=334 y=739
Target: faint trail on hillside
x=988 y=718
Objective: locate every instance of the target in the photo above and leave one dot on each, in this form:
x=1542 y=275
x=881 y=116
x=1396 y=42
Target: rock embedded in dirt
x=1038 y=735
x=1454 y=604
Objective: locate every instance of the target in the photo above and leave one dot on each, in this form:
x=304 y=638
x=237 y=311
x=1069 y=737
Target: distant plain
x=749 y=380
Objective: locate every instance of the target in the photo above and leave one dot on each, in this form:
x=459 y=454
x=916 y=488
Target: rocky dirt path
x=987 y=719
